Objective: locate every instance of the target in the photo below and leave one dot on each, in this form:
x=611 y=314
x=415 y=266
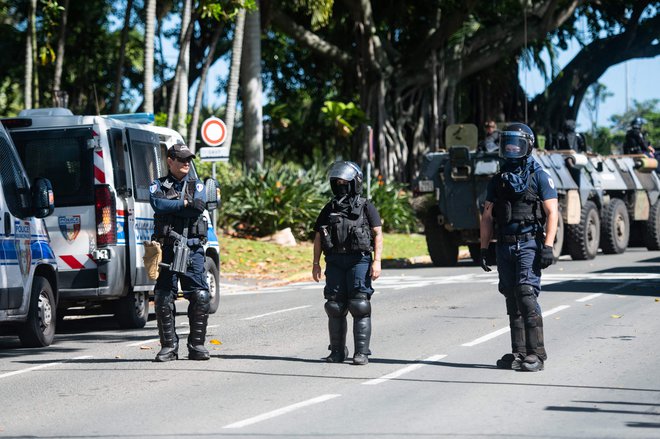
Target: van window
x=146 y=160
x=14 y=183
x=63 y=157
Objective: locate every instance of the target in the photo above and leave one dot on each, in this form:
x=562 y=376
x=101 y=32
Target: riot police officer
x=179 y=202
x=521 y=201
x=348 y=230
x=492 y=139
x=568 y=138
x=635 y=141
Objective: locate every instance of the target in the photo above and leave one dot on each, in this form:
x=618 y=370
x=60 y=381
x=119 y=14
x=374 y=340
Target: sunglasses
x=183 y=160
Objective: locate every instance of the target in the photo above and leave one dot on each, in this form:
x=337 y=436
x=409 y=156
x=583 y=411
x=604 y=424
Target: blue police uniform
x=519 y=245
x=345 y=226
x=167 y=199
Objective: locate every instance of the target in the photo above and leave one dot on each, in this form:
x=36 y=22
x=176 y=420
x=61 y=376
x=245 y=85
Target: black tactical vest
x=163 y=223
x=348 y=232
x=524 y=209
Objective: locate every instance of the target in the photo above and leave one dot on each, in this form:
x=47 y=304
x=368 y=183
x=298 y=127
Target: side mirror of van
x=212 y=194
x=43 y=200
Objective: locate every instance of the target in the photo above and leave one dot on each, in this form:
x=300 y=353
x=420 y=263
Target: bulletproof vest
x=163 y=223
x=525 y=208
x=348 y=231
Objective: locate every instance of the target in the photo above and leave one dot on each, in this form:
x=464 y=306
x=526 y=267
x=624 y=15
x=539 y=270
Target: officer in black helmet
x=348 y=230
x=521 y=205
x=635 y=141
x=179 y=202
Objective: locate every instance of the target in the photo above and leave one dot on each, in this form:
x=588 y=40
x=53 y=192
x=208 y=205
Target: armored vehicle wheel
x=213 y=279
x=442 y=246
x=583 y=238
x=615 y=228
x=39 y=329
x=559 y=238
x=132 y=310
x=652 y=235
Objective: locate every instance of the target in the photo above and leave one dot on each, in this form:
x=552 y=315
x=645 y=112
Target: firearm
x=181 y=252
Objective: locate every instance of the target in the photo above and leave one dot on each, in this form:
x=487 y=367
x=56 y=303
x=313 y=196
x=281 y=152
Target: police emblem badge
x=69 y=226
x=22 y=244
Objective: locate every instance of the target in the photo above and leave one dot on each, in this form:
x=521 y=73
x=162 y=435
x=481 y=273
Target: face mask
x=340 y=190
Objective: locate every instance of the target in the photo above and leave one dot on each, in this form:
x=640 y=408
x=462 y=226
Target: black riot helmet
x=637 y=123
x=347 y=171
x=516 y=141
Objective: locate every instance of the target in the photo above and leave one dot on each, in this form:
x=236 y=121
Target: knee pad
x=527 y=301
x=201 y=297
x=163 y=298
x=335 y=309
x=512 y=307
x=359 y=307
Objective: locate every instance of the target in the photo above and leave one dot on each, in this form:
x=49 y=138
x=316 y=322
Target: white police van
x=28 y=270
x=101 y=168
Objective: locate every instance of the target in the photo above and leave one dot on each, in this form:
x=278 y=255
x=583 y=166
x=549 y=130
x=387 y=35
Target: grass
x=267 y=260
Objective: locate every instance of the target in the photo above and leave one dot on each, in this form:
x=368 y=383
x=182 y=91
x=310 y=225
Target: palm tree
x=122 y=56
x=59 y=60
x=232 y=89
x=149 y=56
x=251 y=89
x=183 y=78
x=30 y=54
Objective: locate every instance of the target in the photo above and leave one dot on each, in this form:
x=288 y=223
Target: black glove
x=199 y=204
x=547 y=257
x=483 y=257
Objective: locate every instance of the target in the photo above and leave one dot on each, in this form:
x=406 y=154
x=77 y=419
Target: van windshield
x=63 y=157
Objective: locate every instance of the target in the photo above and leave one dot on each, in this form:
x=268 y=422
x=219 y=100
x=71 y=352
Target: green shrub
x=394 y=205
x=270 y=198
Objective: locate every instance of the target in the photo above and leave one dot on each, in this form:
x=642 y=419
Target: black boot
x=518 y=348
x=362 y=335
x=337 y=332
x=198 y=316
x=536 y=355
x=169 y=341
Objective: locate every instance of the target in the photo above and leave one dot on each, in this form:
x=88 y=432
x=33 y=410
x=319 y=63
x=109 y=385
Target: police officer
x=492 y=139
x=179 y=202
x=635 y=141
x=520 y=201
x=569 y=139
x=348 y=230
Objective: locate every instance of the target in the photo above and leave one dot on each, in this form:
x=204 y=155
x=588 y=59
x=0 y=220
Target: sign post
x=214 y=133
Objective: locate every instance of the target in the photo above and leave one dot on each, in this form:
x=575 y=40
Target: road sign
x=214 y=131
x=216 y=154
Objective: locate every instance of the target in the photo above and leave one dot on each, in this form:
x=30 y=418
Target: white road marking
x=505 y=330
x=589 y=297
x=405 y=370
x=153 y=340
x=276 y=312
x=42 y=366
x=281 y=411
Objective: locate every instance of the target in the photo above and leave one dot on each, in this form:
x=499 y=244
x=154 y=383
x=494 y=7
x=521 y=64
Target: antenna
x=625 y=65
x=96 y=101
x=525 y=30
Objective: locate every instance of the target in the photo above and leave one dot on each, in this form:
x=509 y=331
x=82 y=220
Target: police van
x=101 y=168
x=28 y=270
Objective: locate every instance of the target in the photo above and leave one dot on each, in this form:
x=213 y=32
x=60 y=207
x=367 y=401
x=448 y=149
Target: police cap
x=179 y=151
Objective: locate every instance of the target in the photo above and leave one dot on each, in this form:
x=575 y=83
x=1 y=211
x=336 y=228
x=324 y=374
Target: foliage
x=394 y=206
x=345 y=117
x=273 y=197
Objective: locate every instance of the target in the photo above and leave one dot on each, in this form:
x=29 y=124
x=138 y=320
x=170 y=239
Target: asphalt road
x=436 y=335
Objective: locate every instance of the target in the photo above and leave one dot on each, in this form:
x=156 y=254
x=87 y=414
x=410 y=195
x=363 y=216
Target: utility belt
x=520 y=237
x=343 y=251
x=168 y=240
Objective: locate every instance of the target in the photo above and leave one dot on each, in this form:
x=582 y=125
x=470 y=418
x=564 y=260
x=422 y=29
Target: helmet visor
x=342 y=170
x=514 y=145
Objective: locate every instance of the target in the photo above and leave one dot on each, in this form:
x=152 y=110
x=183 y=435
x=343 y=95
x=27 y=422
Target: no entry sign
x=214 y=131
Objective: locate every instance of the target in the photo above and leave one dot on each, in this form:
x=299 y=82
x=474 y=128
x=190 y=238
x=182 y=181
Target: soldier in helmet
x=521 y=205
x=635 y=141
x=348 y=231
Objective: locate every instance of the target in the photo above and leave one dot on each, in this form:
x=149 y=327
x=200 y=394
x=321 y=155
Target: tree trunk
x=192 y=137
x=174 y=95
x=232 y=88
x=119 y=75
x=185 y=66
x=149 y=56
x=35 y=71
x=59 y=61
x=251 y=89
x=29 y=60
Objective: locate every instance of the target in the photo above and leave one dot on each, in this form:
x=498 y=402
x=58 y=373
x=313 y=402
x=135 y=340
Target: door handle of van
x=7 y=224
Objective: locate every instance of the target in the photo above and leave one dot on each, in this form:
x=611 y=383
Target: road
x=436 y=335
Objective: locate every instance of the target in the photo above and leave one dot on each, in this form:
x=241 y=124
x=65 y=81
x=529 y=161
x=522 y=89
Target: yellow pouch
x=153 y=255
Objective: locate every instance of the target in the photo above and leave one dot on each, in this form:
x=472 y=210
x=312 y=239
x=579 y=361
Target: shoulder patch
x=199 y=187
x=551 y=182
x=153 y=188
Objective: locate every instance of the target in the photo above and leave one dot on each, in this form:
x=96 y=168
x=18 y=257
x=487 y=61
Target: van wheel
x=39 y=329
x=132 y=310
x=213 y=280
x=615 y=228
